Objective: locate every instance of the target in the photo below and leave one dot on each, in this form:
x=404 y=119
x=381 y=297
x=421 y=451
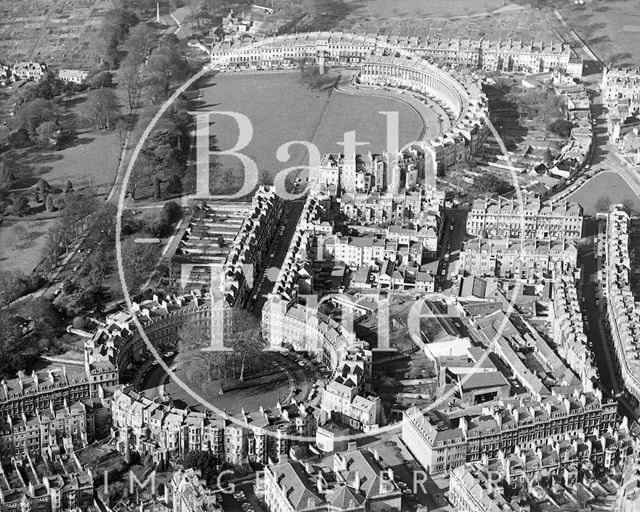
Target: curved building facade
x=381 y=64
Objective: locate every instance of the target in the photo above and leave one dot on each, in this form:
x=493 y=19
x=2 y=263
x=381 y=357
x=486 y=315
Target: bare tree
x=130 y=81
x=102 y=106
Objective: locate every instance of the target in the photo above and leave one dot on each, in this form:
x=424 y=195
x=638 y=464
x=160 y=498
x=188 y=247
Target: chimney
x=320 y=484
x=357 y=481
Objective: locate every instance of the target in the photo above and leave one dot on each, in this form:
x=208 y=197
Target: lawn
x=22 y=243
x=282 y=109
x=607 y=185
x=90 y=161
x=612 y=31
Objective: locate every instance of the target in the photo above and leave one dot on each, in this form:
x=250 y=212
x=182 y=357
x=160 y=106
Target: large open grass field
x=606 y=187
x=611 y=30
x=282 y=109
x=90 y=161
x=22 y=243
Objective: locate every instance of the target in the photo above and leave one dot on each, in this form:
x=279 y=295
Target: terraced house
x=529 y=218
x=442 y=440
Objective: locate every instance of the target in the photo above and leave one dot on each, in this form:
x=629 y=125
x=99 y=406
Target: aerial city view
x=319 y=255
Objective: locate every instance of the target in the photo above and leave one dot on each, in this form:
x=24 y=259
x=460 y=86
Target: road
x=451 y=243
x=593 y=309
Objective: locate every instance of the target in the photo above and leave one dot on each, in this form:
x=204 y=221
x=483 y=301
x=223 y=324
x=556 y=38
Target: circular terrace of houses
x=382 y=66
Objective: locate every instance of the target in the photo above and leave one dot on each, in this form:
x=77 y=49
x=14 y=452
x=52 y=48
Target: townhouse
x=345 y=398
x=190 y=492
x=621 y=83
x=146 y=426
x=515 y=258
x=354 y=481
x=472 y=490
x=442 y=440
x=569 y=331
x=622 y=311
x=529 y=217
x=350 y=49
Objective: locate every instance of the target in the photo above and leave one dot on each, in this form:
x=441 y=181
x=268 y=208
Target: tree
x=174 y=185
x=21 y=206
x=101 y=106
x=130 y=82
x=139 y=261
x=158 y=228
x=561 y=127
x=490 y=184
x=104 y=222
x=157 y=189
x=241 y=334
x=49 y=204
x=42 y=190
x=548 y=156
x=76 y=214
x=171 y=212
x=32 y=114
x=55 y=242
x=7 y=175
x=193 y=337
x=49 y=134
x=139 y=42
x=244 y=335
x=68 y=286
x=13 y=345
x=166 y=64
x=100 y=78
x=115 y=28
x=205 y=462
x=98 y=266
x=12 y=285
x=68 y=187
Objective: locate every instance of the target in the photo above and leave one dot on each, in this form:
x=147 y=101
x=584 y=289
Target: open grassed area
x=607 y=187
x=22 y=243
x=90 y=161
x=611 y=29
x=281 y=109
